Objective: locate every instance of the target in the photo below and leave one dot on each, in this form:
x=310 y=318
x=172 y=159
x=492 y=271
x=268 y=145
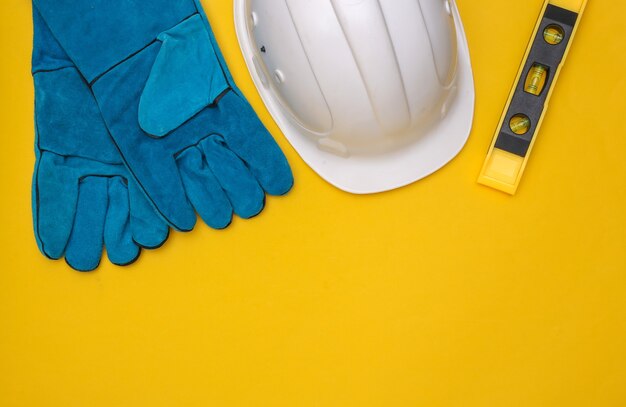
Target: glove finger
x=148 y=229
x=250 y=140
x=55 y=194
x=160 y=180
x=121 y=249
x=84 y=248
x=203 y=189
x=243 y=190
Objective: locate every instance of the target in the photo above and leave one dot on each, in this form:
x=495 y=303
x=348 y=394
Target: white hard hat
x=373 y=94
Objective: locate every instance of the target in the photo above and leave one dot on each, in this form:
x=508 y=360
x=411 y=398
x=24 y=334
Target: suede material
x=223 y=146
x=83 y=196
x=98 y=34
x=215 y=47
x=166 y=101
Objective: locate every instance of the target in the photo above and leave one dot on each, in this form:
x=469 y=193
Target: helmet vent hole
x=279 y=77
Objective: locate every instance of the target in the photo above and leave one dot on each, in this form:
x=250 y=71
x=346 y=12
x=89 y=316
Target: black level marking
x=531 y=105
x=561 y=15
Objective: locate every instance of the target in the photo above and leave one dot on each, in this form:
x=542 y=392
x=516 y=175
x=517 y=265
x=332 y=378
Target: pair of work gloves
x=139 y=125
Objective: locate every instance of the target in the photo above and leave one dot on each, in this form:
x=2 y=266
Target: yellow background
x=444 y=293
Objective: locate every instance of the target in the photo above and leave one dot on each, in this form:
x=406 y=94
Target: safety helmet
x=373 y=94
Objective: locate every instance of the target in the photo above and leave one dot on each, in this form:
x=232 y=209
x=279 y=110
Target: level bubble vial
x=536 y=79
x=519 y=124
x=553 y=34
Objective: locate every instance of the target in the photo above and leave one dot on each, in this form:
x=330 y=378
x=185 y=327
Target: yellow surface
x=502 y=170
x=445 y=293
x=573 y=5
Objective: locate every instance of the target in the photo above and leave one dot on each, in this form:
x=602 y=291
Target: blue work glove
x=185 y=131
x=83 y=195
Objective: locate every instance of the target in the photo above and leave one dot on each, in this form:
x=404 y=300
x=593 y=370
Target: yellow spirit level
x=528 y=101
